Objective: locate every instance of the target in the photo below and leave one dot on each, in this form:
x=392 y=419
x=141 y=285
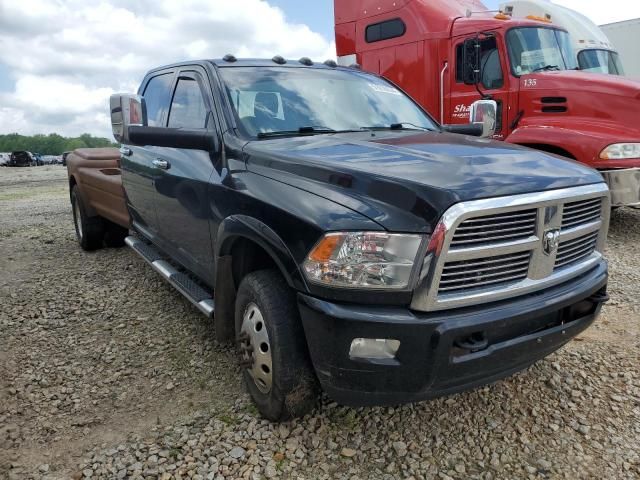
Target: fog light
x=380 y=348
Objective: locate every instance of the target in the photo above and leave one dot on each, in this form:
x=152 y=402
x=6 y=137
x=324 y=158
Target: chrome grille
x=497 y=248
x=576 y=250
x=495 y=228
x=581 y=213
x=471 y=274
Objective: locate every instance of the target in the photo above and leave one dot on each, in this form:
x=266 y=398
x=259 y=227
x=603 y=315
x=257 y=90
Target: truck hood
x=405 y=180
x=598 y=83
x=596 y=101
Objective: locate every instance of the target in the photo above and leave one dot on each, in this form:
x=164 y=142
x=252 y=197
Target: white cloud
x=67 y=57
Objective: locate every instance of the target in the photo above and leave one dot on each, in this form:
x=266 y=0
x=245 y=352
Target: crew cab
x=343 y=238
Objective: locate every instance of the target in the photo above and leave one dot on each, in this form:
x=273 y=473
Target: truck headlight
x=374 y=260
x=619 y=151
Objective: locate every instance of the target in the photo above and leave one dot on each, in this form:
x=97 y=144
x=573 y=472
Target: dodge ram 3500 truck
x=350 y=242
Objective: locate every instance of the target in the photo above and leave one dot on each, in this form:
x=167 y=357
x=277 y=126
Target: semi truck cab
x=447 y=55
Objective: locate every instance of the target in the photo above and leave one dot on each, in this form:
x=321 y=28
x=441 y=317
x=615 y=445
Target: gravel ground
x=106 y=372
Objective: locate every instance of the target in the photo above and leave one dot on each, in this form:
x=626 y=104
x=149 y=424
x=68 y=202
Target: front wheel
x=276 y=366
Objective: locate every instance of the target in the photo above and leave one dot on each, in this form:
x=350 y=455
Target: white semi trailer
x=625 y=36
x=594 y=50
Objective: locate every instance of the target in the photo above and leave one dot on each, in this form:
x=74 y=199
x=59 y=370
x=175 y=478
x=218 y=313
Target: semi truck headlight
x=619 y=151
x=374 y=260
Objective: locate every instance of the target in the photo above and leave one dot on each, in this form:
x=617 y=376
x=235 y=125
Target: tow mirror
x=471 y=61
x=484 y=113
x=130 y=127
x=126 y=111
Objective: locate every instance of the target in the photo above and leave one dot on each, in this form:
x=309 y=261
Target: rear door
x=184 y=176
x=138 y=171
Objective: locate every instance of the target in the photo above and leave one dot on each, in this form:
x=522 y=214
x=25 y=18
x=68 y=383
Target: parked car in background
x=64 y=158
x=22 y=159
x=4 y=159
x=39 y=159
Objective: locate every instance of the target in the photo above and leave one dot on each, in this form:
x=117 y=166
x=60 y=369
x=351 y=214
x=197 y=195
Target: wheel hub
x=255 y=348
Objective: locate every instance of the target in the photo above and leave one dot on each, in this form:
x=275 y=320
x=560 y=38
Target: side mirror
x=173 y=138
x=130 y=127
x=484 y=113
x=126 y=111
x=471 y=61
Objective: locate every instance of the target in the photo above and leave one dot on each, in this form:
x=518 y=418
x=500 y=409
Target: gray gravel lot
x=106 y=372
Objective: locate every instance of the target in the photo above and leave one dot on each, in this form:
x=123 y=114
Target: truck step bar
x=180 y=281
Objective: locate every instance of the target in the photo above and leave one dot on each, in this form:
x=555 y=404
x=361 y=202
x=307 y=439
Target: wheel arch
x=244 y=245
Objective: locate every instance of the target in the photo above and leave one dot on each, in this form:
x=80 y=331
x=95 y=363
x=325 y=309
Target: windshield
x=288 y=99
x=600 y=61
x=535 y=49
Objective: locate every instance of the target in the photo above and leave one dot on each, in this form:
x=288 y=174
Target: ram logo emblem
x=551 y=240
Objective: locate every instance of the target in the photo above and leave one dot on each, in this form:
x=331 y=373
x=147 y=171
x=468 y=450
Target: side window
x=385 y=30
x=492 y=76
x=188 y=108
x=157 y=96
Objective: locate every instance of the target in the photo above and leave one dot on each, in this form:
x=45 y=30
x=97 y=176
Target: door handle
x=127 y=152
x=161 y=164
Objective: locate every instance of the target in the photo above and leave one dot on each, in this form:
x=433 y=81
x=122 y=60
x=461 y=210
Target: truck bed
x=96 y=172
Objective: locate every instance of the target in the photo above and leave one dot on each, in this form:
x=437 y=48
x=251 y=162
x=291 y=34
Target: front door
x=184 y=176
x=493 y=84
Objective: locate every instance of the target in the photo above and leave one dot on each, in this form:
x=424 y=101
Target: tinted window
x=157 y=96
x=385 y=30
x=188 y=109
x=492 y=77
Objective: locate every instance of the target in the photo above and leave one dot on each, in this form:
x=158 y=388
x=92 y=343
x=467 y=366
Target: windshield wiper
x=307 y=130
x=399 y=126
x=547 y=67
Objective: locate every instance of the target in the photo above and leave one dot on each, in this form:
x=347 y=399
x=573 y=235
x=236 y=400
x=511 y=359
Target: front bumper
x=433 y=358
x=624 y=185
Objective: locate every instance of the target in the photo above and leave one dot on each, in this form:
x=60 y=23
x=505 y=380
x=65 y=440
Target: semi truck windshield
x=600 y=61
x=533 y=49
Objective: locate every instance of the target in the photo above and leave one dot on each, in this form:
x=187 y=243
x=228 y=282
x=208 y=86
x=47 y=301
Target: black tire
x=114 y=235
x=89 y=230
x=294 y=390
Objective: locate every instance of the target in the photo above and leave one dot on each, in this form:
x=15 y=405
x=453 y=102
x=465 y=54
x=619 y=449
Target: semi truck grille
x=472 y=274
x=580 y=213
x=496 y=249
x=576 y=250
x=495 y=228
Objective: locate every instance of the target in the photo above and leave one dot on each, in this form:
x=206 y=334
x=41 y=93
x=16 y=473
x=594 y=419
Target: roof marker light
x=279 y=60
x=229 y=58
x=330 y=63
x=306 y=61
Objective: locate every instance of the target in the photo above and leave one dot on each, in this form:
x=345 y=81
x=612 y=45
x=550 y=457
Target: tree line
x=52 y=144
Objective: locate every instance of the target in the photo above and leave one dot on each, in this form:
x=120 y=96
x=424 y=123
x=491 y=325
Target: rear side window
x=157 y=96
x=385 y=30
x=188 y=108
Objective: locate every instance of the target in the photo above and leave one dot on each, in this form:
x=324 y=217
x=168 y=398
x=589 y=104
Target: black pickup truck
x=351 y=243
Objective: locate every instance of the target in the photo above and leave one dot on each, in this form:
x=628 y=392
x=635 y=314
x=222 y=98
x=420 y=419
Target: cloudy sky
x=61 y=59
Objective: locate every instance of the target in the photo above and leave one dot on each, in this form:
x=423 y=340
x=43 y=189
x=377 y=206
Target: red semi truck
x=447 y=54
